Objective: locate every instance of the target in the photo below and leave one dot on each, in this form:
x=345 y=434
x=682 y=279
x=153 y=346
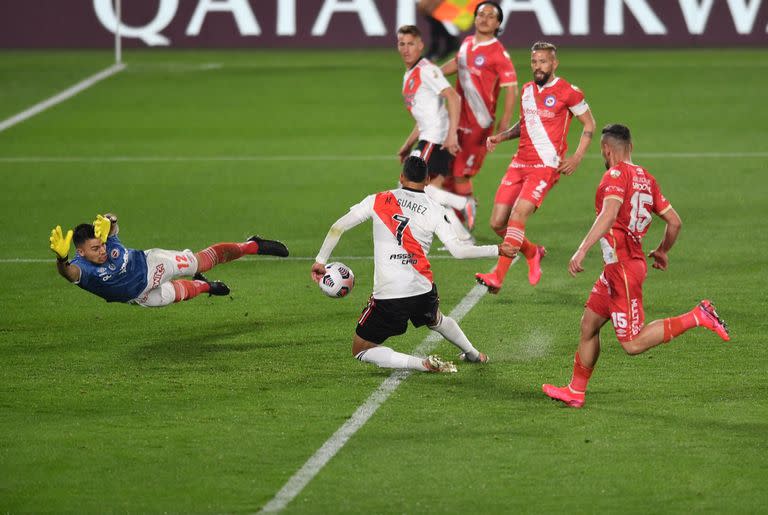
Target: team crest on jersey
x=615 y=173
x=101 y=270
x=550 y=100
x=479 y=60
x=115 y=253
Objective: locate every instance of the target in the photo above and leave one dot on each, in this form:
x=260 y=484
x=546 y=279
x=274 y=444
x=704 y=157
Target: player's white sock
x=446 y=198
x=453 y=333
x=385 y=357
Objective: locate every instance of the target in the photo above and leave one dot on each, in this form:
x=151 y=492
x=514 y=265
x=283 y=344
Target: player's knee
x=631 y=347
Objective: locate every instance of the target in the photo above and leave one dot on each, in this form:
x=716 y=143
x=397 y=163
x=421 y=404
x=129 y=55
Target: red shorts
x=618 y=295
x=529 y=183
x=473 y=150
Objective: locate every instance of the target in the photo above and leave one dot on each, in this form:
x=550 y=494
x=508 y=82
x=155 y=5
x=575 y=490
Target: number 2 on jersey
x=403 y=223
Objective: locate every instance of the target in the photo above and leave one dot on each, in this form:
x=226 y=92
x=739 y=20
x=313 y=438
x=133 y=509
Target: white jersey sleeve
x=358 y=214
x=433 y=78
x=459 y=249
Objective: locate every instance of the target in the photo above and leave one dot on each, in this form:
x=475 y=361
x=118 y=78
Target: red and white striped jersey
x=640 y=196
x=482 y=69
x=404 y=224
x=422 y=85
x=545 y=117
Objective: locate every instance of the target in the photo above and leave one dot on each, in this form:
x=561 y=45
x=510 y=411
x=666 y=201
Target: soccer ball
x=338 y=280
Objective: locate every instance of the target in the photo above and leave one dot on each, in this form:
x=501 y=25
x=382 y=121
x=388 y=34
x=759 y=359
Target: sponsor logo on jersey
x=157 y=276
x=541 y=113
x=405 y=259
x=479 y=60
x=550 y=100
x=114 y=253
x=112 y=267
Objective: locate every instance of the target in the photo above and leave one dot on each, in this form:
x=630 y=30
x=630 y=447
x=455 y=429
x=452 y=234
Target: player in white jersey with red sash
x=435 y=106
x=405 y=221
x=547 y=106
x=626 y=199
x=483 y=68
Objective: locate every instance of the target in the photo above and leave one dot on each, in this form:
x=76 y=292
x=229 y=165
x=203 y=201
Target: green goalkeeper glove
x=101 y=227
x=59 y=243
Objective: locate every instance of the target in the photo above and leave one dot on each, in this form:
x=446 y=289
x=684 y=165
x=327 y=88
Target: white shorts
x=162 y=267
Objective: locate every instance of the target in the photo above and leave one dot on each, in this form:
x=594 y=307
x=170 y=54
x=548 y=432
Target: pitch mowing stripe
x=21 y=261
x=333 y=445
x=206 y=159
x=60 y=97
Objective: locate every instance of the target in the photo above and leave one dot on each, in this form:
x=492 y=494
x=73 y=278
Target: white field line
x=213 y=159
x=333 y=445
x=60 y=97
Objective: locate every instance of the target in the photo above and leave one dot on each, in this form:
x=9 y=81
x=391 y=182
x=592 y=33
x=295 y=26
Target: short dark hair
x=544 y=45
x=412 y=30
x=618 y=132
x=415 y=169
x=83 y=233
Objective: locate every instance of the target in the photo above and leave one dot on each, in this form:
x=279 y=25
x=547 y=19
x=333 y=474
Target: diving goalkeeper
x=104 y=267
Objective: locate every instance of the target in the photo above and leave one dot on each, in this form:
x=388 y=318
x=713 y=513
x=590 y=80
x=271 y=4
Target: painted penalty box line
x=334 y=444
x=60 y=97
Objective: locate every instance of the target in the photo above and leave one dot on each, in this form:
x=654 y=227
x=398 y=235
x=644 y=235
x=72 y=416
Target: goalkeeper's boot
x=564 y=394
x=481 y=357
x=436 y=364
x=270 y=247
x=708 y=317
x=217 y=288
x=534 y=265
x=490 y=281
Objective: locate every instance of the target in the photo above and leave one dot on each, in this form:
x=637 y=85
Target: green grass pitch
x=211 y=405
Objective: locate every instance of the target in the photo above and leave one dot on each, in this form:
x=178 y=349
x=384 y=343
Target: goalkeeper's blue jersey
x=122 y=277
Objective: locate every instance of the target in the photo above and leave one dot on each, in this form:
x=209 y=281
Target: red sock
x=223 y=253
x=514 y=235
x=186 y=290
x=581 y=375
x=675 y=326
x=528 y=249
x=463 y=188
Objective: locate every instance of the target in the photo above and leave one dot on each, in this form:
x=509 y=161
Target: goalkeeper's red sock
x=223 y=253
x=186 y=290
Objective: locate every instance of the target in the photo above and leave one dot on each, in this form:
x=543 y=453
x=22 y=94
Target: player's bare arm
x=511 y=133
x=569 y=164
x=405 y=149
x=603 y=223
x=674 y=224
x=450 y=67
x=510 y=96
x=453 y=104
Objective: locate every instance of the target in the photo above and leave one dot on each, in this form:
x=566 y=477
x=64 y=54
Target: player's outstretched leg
x=220 y=253
x=703 y=315
x=385 y=357
x=186 y=290
x=450 y=330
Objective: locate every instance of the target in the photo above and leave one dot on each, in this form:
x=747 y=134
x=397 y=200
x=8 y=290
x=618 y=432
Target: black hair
x=412 y=30
x=83 y=233
x=415 y=169
x=499 y=12
x=618 y=132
